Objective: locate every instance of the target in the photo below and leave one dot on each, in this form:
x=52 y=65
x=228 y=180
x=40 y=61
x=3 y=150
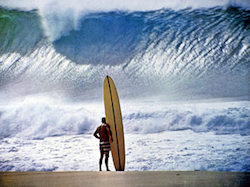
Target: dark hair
x=103 y=120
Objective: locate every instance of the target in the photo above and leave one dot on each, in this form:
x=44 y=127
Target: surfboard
x=114 y=119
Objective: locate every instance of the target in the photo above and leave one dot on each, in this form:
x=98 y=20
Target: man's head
x=103 y=120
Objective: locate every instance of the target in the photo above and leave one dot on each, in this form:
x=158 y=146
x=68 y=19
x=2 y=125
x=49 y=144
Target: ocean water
x=181 y=69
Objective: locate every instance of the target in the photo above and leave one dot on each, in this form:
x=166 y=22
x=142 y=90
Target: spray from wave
x=41 y=117
x=59 y=17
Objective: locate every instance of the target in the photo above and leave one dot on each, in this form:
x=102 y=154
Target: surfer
x=103 y=133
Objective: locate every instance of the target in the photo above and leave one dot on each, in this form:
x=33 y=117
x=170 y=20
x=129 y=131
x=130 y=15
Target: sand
x=129 y=178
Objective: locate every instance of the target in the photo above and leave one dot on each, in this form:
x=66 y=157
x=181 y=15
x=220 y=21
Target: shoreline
x=126 y=178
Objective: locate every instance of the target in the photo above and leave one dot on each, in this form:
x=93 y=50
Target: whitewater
x=181 y=69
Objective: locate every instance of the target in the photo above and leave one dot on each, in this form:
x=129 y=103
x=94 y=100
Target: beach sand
x=128 y=178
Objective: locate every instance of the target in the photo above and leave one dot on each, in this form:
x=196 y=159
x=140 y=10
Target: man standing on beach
x=104 y=133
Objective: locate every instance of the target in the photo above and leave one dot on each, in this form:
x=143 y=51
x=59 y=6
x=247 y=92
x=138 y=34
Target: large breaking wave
x=169 y=54
x=196 y=53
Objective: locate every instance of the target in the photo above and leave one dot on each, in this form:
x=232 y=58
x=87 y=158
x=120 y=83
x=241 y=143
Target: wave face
x=191 y=53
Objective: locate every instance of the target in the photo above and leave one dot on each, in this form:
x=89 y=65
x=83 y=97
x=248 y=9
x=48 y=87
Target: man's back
x=103 y=132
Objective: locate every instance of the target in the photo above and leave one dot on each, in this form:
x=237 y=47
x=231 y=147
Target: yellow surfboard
x=114 y=119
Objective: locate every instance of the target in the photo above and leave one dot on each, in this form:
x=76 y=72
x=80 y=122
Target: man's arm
x=96 y=133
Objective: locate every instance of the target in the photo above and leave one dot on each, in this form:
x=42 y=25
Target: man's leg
x=107 y=160
x=100 y=161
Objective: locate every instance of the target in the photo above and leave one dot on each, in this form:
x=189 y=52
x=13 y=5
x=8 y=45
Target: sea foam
x=42 y=117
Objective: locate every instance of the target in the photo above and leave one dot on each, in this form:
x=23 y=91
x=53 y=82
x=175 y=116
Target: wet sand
x=129 y=178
